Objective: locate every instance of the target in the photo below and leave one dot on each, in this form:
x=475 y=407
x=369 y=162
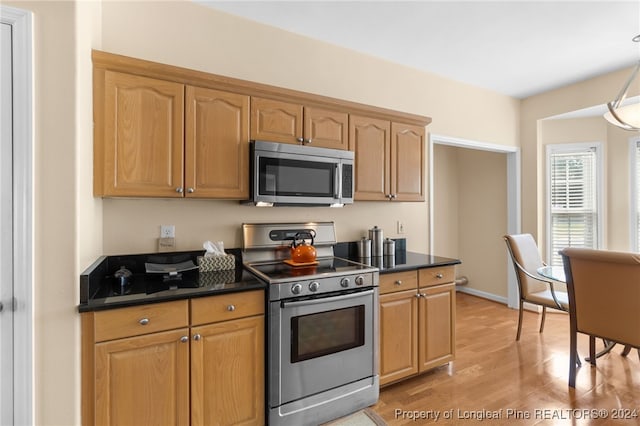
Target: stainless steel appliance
x=323 y=326
x=287 y=174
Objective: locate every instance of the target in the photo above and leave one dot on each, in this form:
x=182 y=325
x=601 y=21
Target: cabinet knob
x=301 y=140
x=144 y=321
x=184 y=339
x=439 y=276
x=190 y=190
x=308 y=141
x=197 y=337
x=398 y=282
x=394 y=196
x=231 y=308
x=419 y=295
x=179 y=190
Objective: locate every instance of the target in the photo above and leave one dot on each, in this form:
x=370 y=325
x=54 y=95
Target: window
x=574 y=217
x=635 y=194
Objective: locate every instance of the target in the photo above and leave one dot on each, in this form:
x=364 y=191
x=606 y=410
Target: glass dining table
x=556 y=273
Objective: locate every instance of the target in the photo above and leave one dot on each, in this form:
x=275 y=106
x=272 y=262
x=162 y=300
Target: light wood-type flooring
x=521 y=383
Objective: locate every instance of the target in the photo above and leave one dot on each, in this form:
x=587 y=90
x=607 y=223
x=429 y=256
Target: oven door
x=321 y=343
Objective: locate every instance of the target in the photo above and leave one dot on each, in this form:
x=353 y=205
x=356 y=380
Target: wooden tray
x=298 y=264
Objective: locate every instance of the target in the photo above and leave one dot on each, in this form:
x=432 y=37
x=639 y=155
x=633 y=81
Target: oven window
x=287 y=177
x=325 y=333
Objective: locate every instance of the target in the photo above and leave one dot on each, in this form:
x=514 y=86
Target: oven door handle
x=327 y=299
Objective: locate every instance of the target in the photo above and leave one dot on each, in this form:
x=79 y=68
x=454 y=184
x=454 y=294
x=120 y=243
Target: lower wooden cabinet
x=227 y=371
x=398 y=336
x=142 y=380
x=437 y=313
x=417 y=323
x=208 y=370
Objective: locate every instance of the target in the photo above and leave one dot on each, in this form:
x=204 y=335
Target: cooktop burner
x=280 y=271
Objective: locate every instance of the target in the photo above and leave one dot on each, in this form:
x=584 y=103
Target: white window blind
x=573 y=200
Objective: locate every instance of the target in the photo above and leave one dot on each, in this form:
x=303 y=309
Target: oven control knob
x=296 y=288
x=314 y=286
x=359 y=280
x=344 y=282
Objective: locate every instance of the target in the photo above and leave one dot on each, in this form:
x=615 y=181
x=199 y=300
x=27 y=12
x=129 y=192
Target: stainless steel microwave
x=286 y=174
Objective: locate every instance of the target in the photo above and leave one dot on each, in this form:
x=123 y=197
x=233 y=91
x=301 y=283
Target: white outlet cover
x=167 y=231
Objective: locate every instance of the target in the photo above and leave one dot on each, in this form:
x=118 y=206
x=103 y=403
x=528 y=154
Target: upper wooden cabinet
x=216 y=144
x=370 y=139
x=390 y=159
x=407 y=162
x=165 y=131
x=143 y=149
x=287 y=122
x=138 y=147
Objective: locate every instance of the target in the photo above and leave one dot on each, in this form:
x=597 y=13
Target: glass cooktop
x=331 y=266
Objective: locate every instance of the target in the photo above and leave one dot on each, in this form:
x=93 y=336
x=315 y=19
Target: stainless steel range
x=323 y=326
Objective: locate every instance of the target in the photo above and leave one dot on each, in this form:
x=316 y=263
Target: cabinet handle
x=308 y=141
x=144 y=321
x=419 y=295
x=394 y=196
x=388 y=196
x=439 y=276
x=190 y=190
x=301 y=140
x=197 y=337
x=231 y=308
x=184 y=339
x=179 y=190
x=398 y=282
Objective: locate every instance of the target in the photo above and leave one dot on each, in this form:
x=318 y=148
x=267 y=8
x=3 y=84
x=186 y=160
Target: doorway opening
x=509 y=204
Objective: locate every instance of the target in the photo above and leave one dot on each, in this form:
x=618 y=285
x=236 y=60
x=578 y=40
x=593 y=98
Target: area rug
x=366 y=417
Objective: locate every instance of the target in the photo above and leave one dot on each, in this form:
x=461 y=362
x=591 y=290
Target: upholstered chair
x=604 y=298
x=532 y=287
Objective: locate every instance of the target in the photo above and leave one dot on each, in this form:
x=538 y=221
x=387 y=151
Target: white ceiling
x=517 y=48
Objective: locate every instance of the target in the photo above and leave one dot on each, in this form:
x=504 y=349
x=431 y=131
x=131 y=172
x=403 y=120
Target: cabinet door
x=407 y=162
x=370 y=139
x=398 y=335
x=216 y=144
x=327 y=129
x=437 y=325
x=143 y=380
x=141 y=151
x=275 y=121
x=227 y=373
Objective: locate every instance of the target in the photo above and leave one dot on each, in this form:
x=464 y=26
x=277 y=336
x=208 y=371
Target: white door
x=6 y=228
x=16 y=217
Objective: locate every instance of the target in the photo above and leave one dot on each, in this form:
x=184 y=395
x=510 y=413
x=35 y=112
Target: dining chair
x=604 y=299
x=532 y=287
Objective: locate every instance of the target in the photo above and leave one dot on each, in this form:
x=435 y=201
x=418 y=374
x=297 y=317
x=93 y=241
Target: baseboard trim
x=483 y=294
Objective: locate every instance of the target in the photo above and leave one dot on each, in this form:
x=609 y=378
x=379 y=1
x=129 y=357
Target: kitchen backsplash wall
x=133 y=225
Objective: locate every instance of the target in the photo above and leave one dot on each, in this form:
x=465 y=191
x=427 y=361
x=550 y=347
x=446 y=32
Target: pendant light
x=626 y=117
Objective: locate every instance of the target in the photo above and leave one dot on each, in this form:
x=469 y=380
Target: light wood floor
x=494 y=373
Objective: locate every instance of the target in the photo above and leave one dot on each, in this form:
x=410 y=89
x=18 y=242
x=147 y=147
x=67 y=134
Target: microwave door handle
x=337 y=182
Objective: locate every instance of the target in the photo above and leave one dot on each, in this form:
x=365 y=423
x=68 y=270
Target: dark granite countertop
x=100 y=290
x=402 y=261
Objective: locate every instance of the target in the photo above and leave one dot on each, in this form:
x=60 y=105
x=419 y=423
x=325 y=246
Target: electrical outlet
x=400 y=227
x=167 y=231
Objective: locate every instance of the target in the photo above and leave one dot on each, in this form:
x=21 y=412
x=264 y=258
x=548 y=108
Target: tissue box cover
x=217 y=279
x=217 y=263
